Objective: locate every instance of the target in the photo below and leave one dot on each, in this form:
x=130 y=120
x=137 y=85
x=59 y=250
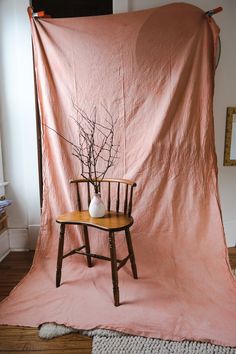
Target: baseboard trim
x=23 y=239
x=18 y=238
x=4 y=244
x=19 y=249
x=4 y=255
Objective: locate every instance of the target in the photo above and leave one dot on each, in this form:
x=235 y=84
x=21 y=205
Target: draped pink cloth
x=154 y=71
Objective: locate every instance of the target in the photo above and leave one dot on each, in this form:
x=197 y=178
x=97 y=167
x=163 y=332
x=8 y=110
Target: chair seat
x=111 y=221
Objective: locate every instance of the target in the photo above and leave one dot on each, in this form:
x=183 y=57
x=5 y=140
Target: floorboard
x=25 y=340
x=17 y=340
x=232 y=257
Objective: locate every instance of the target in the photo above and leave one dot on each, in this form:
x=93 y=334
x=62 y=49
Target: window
x=73 y=8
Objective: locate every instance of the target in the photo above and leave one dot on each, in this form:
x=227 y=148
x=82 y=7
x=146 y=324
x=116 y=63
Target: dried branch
x=95 y=146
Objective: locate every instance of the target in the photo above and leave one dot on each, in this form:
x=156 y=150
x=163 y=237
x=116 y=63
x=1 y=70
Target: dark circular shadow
x=163 y=37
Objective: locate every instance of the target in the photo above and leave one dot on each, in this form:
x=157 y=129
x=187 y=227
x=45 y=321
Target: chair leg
x=131 y=253
x=114 y=268
x=87 y=245
x=60 y=255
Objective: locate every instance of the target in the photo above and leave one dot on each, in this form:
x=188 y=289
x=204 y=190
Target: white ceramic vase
x=96 y=207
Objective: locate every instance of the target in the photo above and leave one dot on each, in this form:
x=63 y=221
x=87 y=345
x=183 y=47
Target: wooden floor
x=232 y=257
x=25 y=340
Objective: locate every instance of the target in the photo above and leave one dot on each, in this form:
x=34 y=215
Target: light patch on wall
x=233 y=139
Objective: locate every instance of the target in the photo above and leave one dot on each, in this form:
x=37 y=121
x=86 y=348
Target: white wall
x=17 y=113
x=17 y=119
x=225 y=93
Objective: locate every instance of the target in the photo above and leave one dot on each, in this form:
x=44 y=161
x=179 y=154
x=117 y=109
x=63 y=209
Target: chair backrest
x=110 y=186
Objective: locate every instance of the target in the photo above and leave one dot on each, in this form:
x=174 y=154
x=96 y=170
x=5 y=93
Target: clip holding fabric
x=212 y=12
x=39 y=14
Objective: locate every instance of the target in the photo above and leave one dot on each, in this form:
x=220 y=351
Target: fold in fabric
x=154 y=72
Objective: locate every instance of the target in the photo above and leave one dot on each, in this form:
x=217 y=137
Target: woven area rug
x=110 y=342
x=107 y=343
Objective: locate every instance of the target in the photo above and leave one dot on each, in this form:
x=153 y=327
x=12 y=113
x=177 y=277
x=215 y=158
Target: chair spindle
x=118 y=198
x=78 y=197
x=130 y=201
x=109 y=197
x=126 y=198
x=89 y=196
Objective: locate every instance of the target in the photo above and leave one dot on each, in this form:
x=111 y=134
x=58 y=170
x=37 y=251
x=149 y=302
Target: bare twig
x=95 y=146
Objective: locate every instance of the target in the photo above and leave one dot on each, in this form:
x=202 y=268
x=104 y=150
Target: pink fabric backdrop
x=154 y=71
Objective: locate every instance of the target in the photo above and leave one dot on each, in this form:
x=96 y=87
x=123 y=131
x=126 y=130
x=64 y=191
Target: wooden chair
x=113 y=221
